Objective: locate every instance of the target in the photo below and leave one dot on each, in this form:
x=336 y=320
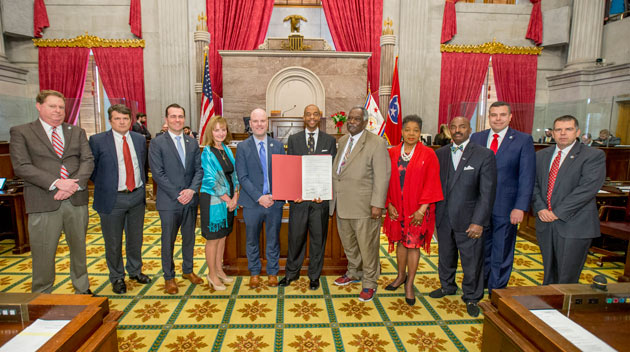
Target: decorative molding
x=284 y=53
x=492 y=47
x=88 y=41
x=291 y=74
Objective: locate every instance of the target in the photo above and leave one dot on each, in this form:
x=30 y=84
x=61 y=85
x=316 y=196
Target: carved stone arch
x=297 y=86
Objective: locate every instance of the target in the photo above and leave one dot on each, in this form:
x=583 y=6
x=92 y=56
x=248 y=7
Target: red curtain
x=356 y=26
x=233 y=25
x=64 y=70
x=460 y=84
x=535 y=27
x=135 y=18
x=515 y=78
x=122 y=72
x=449 y=21
x=40 y=18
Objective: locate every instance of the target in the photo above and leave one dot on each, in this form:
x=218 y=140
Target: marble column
x=388 y=42
x=587 y=27
x=3 y=56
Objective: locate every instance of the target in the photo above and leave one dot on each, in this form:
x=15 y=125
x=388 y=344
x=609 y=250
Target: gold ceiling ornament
x=295 y=22
x=89 y=41
x=203 y=24
x=492 y=47
x=388 y=30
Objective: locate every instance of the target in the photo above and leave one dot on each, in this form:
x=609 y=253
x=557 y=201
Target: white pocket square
x=468 y=168
x=324 y=150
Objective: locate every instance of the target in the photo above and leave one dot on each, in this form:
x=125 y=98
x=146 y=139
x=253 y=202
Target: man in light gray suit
x=568 y=177
x=176 y=168
x=55 y=162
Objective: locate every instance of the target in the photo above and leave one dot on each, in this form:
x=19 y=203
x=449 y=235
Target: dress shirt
x=354 y=138
x=315 y=135
x=499 y=140
x=48 y=129
x=183 y=140
x=257 y=141
x=563 y=156
x=120 y=157
x=457 y=156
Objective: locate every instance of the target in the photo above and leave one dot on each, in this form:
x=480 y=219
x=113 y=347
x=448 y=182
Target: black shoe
x=285 y=282
x=473 y=309
x=88 y=292
x=391 y=287
x=141 y=278
x=439 y=293
x=119 y=286
x=410 y=301
x=314 y=285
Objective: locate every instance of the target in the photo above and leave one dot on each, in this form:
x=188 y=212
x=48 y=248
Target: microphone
x=285 y=111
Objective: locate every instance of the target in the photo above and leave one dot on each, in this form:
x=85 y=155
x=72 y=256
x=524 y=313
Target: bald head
x=258 y=123
x=312 y=116
x=460 y=129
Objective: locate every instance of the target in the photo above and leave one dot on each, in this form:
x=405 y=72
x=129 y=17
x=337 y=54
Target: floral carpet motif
x=292 y=318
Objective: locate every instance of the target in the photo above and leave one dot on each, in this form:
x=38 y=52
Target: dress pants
x=360 y=240
x=471 y=252
x=563 y=258
x=499 y=238
x=44 y=233
x=254 y=218
x=312 y=218
x=173 y=220
x=127 y=214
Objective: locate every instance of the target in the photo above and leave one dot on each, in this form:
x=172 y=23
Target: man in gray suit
x=568 y=177
x=176 y=168
x=361 y=173
x=55 y=162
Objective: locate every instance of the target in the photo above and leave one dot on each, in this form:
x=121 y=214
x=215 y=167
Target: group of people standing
x=475 y=191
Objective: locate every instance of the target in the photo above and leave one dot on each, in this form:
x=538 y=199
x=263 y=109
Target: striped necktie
x=58 y=147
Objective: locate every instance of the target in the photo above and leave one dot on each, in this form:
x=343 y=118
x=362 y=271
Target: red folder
x=286 y=179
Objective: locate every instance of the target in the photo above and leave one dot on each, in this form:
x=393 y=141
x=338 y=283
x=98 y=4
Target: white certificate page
x=317 y=177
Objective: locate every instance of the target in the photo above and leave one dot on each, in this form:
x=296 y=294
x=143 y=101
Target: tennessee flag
x=207 y=106
x=392 y=128
x=375 y=120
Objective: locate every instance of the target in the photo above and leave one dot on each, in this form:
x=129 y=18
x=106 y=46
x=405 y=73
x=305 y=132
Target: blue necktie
x=180 y=150
x=263 y=163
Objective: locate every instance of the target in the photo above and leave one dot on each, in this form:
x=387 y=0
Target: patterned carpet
x=276 y=319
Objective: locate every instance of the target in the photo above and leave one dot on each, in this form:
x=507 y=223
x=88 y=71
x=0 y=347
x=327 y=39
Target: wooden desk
x=19 y=219
x=92 y=326
x=510 y=326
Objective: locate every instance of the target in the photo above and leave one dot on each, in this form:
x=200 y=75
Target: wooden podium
x=509 y=325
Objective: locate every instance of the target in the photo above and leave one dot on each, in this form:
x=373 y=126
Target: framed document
x=301 y=176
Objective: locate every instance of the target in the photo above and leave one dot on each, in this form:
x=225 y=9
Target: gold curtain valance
x=89 y=41
x=492 y=47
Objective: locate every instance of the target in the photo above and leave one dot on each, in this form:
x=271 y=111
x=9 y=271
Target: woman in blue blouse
x=218 y=198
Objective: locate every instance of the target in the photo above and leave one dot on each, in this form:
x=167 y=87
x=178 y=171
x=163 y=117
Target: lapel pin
x=271 y=144
x=511 y=137
x=69 y=127
x=571 y=156
x=463 y=158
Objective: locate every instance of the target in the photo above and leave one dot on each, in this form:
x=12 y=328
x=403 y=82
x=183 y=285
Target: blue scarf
x=215 y=183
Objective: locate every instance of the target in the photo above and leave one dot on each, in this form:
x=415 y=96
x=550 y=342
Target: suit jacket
x=35 y=161
x=142 y=129
x=249 y=170
x=469 y=193
x=169 y=173
x=516 y=170
x=363 y=182
x=105 y=174
x=579 y=178
x=326 y=144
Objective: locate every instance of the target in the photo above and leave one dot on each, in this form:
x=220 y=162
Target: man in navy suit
x=516 y=171
x=119 y=195
x=253 y=167
x=469 y=177
x=175 y=162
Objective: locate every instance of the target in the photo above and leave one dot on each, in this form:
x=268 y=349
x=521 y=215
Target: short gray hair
x=364 y=111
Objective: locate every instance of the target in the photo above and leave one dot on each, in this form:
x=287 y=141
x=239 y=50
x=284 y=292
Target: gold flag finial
x=203 y=25
x=388 y=23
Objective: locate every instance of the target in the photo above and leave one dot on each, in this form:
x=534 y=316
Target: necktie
x=553 y=172
x=180 y=150
x=311 y=143
x=454 y=149
x=58 y=147
x=131 y=179
x=346 y=155
x=263 y=164
x=494 y=146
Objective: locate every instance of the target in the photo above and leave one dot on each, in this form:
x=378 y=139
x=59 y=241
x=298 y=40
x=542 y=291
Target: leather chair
x=615 y=222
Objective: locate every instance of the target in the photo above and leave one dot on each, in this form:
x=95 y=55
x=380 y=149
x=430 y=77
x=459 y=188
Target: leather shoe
x=439 y=293
x=391 y=287
x=254 y=281
x=170 y=287
x=119 y=286
x=88 y=292
x=193 y=278
x=314 y=285
x=141 y=278
x=272 y=281
x=410 y=301
x=473 y=309
x=285 y=282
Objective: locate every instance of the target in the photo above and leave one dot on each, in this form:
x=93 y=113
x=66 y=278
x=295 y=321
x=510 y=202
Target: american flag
x=207 y=106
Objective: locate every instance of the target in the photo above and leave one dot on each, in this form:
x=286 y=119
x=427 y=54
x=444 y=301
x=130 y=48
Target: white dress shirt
x=183 y=141
x=48 y=129
x=354 y=139
x=120 y=157
x=457 y=156
x=499 y=140
x=563 y=156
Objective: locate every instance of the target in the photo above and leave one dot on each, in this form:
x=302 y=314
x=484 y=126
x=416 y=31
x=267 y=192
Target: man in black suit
x=119 y=195
x=308 y=216
x=568 y=177
x=140 y=126
x=469 y=180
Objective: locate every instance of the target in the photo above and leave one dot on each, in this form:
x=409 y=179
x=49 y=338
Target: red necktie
x=553 y=172
x=494 y=146
x=58 y=147
x=131 y=180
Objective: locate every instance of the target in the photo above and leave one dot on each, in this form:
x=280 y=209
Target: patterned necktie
x=454 y=149
x=58 y=147
x=263 y=164
x=494 y=146
x=311 y=143
x=180 y=150
x=346 y=155
x=131 y=178
x=553 y=172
